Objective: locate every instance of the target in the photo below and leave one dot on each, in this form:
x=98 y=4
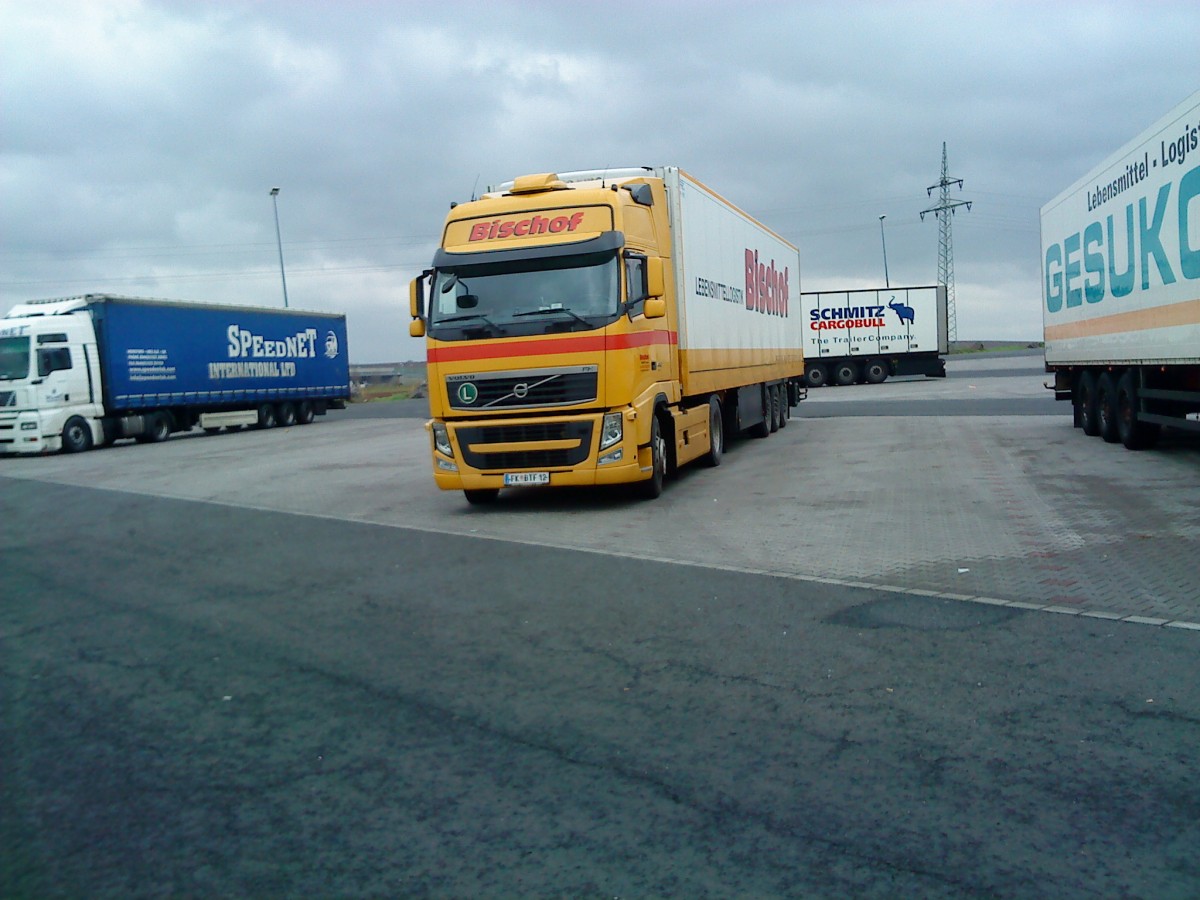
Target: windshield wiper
x=553 y=309
x=467 y=318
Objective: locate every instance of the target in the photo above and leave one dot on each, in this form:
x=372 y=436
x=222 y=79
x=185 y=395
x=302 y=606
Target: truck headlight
x=29 y=426
x=441 y=439
x=611 y=430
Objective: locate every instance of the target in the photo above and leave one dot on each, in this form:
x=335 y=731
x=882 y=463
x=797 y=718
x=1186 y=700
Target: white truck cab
x=50 y=387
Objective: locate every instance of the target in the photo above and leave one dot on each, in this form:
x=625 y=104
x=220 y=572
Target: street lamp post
x=887 y=281
x=279 y=243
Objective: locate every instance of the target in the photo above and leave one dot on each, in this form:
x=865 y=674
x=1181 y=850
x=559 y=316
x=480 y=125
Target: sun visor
x=526 y=228
x=609 y=240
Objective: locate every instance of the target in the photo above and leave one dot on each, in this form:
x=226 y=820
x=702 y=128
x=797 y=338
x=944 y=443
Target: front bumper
x=566 y=448
x=21 y=432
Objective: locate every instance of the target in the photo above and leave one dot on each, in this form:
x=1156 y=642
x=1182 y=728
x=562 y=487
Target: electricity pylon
x=944 y=210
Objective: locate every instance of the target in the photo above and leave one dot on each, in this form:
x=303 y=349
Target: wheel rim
x=77 y=436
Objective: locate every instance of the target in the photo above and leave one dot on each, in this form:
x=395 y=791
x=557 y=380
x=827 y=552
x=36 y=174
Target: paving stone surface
x=1017 y=509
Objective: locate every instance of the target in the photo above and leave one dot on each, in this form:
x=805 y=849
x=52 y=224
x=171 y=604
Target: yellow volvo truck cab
x=577 y=334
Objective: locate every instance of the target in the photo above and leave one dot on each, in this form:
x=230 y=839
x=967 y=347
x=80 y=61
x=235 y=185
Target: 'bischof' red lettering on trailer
x=766 y=286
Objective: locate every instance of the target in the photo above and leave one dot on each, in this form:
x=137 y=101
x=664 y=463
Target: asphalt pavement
x=280 y=664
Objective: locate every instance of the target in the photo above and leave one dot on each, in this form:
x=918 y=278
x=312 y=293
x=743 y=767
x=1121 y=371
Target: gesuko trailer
x=1121 y=286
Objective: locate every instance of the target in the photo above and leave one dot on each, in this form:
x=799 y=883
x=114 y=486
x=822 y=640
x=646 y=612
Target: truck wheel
x=158 y=429
x=875 y=371
x=305 y=412
x=1085 y=400
x=266 y=415
x=481 y=496
x=287 y=414
x=1135 y=435
x=716 y=433
x=776 y=407
x=652 y=487
x=817 y=375
x=76 y=436
x=845 y=373
x=1106 y=408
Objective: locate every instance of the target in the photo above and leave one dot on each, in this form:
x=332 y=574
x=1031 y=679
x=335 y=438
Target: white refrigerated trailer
x=869 y=335
x=1121 y=286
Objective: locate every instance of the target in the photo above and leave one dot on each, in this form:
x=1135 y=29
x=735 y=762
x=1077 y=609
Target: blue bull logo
x=903 y=311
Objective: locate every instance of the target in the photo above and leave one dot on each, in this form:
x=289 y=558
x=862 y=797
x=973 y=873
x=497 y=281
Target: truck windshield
x=14 y=358
x=573 y=293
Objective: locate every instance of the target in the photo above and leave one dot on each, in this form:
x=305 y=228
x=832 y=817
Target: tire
x=482 y=496
x=716 y=434
x=287 y=414
x=1106 y=408
x=875 y=371
x=305 y=412
x=267 y=417
x=1135 y=435
x=76 y=436
x=158 y=429
x=652 y=487
x=817 y=375
x=845 y=373
x=1085 y=400
x=776 y=407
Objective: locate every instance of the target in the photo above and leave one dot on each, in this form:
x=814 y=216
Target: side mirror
x=416 y=328
x=655 y=279
x=416 y=297
x=655 y=308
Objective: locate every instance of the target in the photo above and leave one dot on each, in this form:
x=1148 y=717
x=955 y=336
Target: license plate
x=513 y=479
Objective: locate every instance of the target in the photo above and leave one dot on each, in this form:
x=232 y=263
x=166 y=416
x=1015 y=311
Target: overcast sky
x=139 y=140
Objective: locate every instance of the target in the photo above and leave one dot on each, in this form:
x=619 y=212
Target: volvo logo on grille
x=521 y=391
x=467 y=392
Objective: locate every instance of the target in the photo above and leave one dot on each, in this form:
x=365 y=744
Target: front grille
x=523 y=390
x=531 y=433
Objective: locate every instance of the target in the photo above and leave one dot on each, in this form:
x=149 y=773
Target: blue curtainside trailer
x=93 y=369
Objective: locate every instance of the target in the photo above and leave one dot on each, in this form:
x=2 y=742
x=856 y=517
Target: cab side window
x=635 y=280
x=53 y=360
